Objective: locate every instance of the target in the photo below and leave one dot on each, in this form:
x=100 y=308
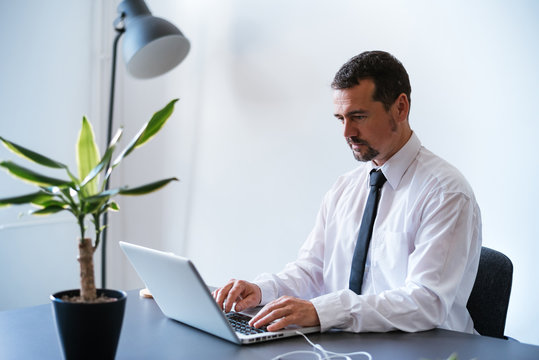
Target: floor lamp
x=151 y=47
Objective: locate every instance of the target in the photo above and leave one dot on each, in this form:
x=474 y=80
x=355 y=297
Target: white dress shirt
x=423 y=256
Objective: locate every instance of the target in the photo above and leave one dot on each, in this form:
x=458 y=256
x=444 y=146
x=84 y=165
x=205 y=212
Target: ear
x=401 y=108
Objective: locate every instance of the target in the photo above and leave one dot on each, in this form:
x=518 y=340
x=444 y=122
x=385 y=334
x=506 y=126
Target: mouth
x=355 y=145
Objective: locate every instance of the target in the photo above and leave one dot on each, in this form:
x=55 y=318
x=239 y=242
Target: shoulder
x=433 y=172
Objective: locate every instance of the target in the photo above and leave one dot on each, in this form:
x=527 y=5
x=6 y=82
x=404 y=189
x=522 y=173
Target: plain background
x=253 y=138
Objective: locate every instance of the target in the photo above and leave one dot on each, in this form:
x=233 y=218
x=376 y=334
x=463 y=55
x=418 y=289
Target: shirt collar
x=396 y=166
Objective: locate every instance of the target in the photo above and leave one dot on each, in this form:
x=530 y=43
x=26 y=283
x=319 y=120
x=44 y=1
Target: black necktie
x=377 y=179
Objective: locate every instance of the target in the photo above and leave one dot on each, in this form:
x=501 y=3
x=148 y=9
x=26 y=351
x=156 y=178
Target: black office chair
x=490 y=294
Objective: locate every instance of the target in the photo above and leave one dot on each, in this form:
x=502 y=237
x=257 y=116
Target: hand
x=242 y=293
x=286 y=310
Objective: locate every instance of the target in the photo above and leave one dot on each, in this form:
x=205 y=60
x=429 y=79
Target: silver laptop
x=182 y=295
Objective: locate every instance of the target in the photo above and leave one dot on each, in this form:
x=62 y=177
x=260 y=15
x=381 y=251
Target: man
x=422 y=252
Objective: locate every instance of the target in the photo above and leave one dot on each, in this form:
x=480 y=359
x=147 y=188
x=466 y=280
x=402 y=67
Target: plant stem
x=80 y=220
x=86 y=259
x=97 y=225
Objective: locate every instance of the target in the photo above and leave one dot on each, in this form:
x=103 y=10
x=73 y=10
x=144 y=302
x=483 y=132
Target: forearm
x=300 y=279
x=408 y=309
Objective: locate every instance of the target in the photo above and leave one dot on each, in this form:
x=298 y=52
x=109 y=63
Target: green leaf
x=103 y=195
x=101 y=207
x=93 y=206
x=32 y=155
x=31 y=176
x=25 y=199
x=156 y=123
x=148 y=188
x=113 y=206
x=50 y=203
x=87 y=156
x=148 y=131
x=53 y=209
x=104 y=161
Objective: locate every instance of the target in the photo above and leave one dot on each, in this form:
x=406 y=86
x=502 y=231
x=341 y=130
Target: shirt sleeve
x=445 y=258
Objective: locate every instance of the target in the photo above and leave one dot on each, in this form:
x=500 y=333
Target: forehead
x=360 y=94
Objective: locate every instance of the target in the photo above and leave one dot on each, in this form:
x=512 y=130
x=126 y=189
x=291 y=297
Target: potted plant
x=85 y=317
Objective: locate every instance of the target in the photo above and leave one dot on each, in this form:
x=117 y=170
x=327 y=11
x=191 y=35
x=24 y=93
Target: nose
x=349 y=129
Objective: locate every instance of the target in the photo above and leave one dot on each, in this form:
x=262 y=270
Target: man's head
x=388 y=74
x=372 y=100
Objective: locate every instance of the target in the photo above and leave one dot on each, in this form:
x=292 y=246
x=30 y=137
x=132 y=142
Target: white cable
x=318 y=357
x=325 y=354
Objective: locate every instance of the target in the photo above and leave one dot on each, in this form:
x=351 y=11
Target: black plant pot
x=89 y=331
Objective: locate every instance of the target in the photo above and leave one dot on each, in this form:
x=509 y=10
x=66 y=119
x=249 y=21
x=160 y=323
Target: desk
x=30 y=333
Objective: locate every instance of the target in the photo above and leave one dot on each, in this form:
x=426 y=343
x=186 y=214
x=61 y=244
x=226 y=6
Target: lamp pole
x=120 y=29
x=168 y=48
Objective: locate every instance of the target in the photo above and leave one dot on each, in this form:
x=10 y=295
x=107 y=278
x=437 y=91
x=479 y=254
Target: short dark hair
x=387 y=72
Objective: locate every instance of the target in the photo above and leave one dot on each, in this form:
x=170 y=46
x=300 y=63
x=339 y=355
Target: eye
x=358 y=118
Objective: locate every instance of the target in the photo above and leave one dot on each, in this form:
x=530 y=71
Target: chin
x=359 y=157
x=364 y=157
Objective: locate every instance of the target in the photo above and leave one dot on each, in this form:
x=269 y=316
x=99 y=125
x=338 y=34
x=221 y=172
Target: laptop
x=182 y=295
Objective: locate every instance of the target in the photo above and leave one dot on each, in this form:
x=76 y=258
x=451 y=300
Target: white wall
x=256 y=120
x=47 y=83
x=254 y=140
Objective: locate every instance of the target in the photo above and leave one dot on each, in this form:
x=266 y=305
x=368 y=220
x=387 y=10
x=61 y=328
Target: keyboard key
x=240 y=323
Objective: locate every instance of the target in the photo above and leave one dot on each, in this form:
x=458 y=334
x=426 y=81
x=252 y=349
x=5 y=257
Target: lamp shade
x=151 y=45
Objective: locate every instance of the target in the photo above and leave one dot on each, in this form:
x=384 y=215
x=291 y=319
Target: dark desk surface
x=30 y=333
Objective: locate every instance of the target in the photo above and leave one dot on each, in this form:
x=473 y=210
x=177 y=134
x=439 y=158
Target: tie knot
x=377 y=178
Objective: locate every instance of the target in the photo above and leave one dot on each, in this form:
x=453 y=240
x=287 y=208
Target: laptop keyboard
x=240 y=323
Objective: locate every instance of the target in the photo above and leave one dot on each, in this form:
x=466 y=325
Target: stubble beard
x=369 y=154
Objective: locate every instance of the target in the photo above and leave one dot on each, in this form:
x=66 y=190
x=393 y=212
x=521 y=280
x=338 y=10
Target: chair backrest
x=489 y=299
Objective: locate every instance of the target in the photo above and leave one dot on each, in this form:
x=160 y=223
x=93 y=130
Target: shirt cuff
x=331 y=312
x=267 y=291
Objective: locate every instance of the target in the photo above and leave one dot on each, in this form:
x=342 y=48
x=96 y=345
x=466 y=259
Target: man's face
x=371 y=132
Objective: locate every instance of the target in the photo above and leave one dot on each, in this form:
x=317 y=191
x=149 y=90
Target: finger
x=251 y=297
x=218 y=297
x=281 y=323
x=271 y=312
x=275 y=320
x=234 y=295
x=221 y=293
x=259 y=315
x=215 y=293
x=248 y=302
x=286 y=311
x=271 y=306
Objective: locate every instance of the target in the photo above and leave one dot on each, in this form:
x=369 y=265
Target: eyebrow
x=352 y=113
